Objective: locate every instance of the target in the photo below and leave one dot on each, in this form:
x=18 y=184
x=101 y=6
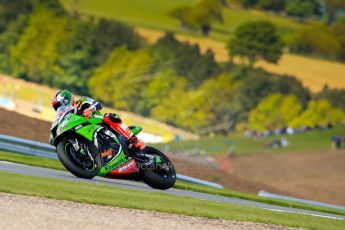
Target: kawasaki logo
x=116 y=164
x=123 y=168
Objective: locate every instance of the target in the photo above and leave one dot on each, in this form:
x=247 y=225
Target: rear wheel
x=79 y=165
x=163 y=174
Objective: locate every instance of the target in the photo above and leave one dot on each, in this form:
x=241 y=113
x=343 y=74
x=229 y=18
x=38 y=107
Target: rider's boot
x=115 y=122
x=135 y=144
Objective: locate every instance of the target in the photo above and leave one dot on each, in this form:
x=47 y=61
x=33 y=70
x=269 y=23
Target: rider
x=87 y=107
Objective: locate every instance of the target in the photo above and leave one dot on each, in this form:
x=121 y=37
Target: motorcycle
x=89 y=148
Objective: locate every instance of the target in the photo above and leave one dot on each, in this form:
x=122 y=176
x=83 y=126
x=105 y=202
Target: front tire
x=157 y=178
x=63 y=151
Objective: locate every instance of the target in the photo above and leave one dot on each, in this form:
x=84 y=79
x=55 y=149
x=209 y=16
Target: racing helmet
x=62 y=98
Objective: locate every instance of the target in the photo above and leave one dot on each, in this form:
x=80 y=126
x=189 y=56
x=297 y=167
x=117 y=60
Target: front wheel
x=79 y=165
x=163 y=174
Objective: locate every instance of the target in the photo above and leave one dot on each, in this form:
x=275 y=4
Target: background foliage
x=170 y=80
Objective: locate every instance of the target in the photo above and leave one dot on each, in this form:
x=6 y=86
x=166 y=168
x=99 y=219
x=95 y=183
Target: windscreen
x=61 y=112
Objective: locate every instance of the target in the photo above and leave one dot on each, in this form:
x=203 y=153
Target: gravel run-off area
x=26 y=212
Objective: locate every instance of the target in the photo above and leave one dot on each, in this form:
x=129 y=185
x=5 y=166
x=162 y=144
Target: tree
x=77 y=58
x=332 y=7
x=53 y=5
x=273 y=5
x=8 y=39
x=157 y=90
x=319 y=112
x=256 y=84
x=303 y=8
x=48 y=47
x=201 y=19
x=182 y=14
x=249 y=3
x=274 y=111
x=120 y=80
x=35 y=55
x=200 y=16
x=204 y=13
x=214 y=8
x=256 y=40
x=185 y=58
x=335 y=96
x=316 y=39
x=170 y=109
x=338 y=30
x=182 y=108
x=10 y=10
x=218 y=94
x=111 y=34
x=224 y=3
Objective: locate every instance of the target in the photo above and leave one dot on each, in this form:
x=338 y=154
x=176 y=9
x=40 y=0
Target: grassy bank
x=49 y=163
x=154 y=15
x=246 y=196
x=118 y=197
x=31 y=160
x=317 y=140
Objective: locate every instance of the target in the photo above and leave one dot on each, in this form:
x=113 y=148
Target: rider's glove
x=88 y=113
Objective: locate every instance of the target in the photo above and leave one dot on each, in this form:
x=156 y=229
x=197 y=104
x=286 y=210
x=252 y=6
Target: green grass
x=54 y=164
x=246 y=196
x=31 y=160
x=118 y=197
x=153 y=14
x=318 y=140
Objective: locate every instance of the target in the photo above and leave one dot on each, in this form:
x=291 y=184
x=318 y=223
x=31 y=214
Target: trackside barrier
x=310 y=202
x=28 y=147
x=198 y=181
x=34 y=148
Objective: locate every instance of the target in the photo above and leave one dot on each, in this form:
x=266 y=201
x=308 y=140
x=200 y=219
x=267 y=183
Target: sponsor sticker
x=115 y=164
x=123 y=168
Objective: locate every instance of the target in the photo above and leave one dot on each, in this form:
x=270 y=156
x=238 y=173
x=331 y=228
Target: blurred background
x=246 y=93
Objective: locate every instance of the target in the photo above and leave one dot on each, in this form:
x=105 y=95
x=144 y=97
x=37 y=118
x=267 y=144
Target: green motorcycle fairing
x=87 y=128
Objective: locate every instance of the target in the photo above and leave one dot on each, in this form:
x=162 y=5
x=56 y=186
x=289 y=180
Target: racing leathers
x=88 y=107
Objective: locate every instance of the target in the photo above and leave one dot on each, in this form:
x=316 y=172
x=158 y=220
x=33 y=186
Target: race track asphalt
x=44 y=172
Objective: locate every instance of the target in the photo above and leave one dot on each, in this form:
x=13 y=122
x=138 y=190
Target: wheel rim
x=81 y=161
x=165 y=168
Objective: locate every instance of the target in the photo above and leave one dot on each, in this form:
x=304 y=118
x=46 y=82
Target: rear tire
x=152 y=178
x=70 y=165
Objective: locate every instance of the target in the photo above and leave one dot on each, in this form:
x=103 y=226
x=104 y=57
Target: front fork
x=84 y=149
